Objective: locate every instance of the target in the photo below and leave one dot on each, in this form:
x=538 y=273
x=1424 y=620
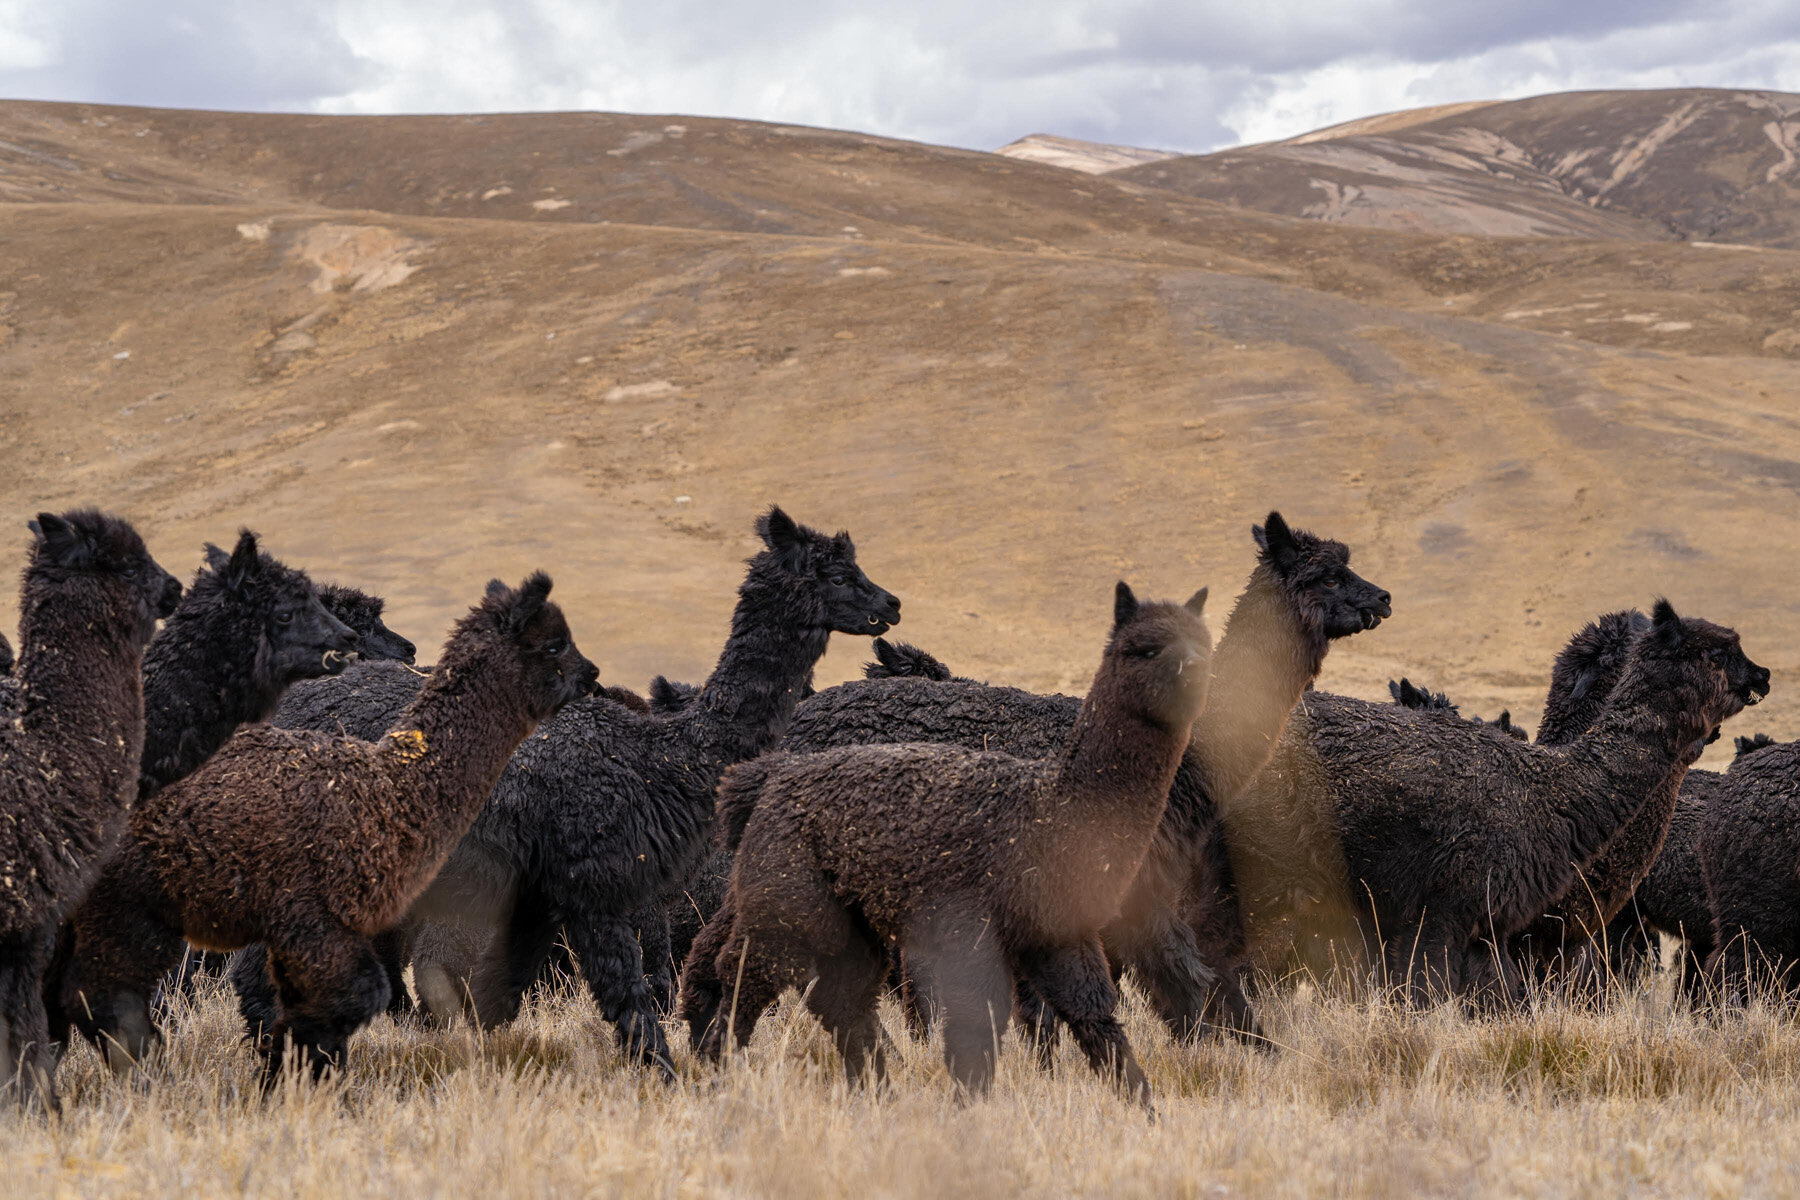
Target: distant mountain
x=1690 y=164
x=1092 y=157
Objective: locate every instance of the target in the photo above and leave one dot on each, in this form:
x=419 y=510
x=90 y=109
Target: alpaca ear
x=1125 y=605
x=528 y=603
x=1665 y=624
x=1276 y=541
x=215 y=558
x=777 y=530
x=65 y=544
x=1196 y=603
x=886 y=653
x=497 y=589
x=243 y=561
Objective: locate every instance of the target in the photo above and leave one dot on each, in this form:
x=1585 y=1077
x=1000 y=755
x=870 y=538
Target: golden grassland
x=1362 y=1099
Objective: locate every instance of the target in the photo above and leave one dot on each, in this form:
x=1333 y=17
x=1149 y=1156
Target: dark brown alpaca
x=313 y=844
x=982 y=866
x=68 y=752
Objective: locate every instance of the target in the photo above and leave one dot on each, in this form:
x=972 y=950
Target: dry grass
x=1361 y=1100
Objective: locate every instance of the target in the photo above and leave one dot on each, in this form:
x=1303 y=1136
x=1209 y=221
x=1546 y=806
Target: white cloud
x=1181 y=74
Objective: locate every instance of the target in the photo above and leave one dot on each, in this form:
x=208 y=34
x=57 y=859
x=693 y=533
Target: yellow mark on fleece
x=409 y=744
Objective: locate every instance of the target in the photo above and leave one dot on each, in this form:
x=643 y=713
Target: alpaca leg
x=513 y=959
x=255 y=988
x=607 y=949
x=844 y=997
x=959 y=968
x=27 y=1062
x=652 y=924
x=444 y=959
x=701 y=988
x=760 y=964
x=1425 y=961
x=328 y=990
x=122 y=952
x=390 y=948
x=1036 y=1021
x=1076 y=982
x=919 y=1016
x=1187 y=993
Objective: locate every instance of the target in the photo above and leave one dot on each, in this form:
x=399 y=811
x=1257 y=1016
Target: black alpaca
x=906 y=661
x=69 y=753
x=984 y=867
x=1409 y=695
x=1445 y=841
x=248 y=627
x=606 y=811
x=1748 y=848
x=1180 y=931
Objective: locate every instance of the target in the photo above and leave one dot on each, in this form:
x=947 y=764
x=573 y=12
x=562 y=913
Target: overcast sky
x=1177 y=74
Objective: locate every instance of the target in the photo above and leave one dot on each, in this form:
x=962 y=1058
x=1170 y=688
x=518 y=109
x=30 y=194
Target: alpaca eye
x=1146 y=652
x=552 y=649
x=284 y=618
x=837 y=581
x=1331 y=585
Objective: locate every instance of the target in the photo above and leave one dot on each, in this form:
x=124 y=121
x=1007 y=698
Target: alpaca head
x=1750 y=745
x=1408 y=695
x=1585 y=673
x=278 y=606
x=1316 y=574
x=1158 y=658
x=552 y=671
x=667 y=697
x=817 y=575
x=362 y=613
x=1691 y=658
x=89 y=558
x=904 y=661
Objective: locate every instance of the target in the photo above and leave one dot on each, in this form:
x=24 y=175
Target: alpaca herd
x=252 y=766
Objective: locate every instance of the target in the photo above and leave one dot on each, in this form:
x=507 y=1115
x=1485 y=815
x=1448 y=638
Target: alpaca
x=1180 y=932
x=362 y=613
x=982 y=866
x=88 y=606
x=1574 y=930
x=248 y=627
x=313 y=844
x=1444 y=841
x=1748 y=849
x=605 y=813
x=1407 y=695
x=905 y=661
x=224 y=614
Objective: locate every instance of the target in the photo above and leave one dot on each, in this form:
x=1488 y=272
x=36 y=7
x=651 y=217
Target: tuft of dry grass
x=1360 y=1099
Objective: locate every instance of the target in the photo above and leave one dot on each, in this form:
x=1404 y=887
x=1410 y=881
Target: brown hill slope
x=419 y=402
x=1697 y=164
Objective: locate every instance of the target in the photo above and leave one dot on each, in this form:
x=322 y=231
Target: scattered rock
x=639 y=391
x=254 y=231
x=551 y=204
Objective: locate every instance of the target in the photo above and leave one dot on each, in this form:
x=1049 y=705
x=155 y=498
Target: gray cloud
x=1183 y=74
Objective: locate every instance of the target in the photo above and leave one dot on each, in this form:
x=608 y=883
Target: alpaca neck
x=198 y=688
x=454 y=740
x=768 y=660
x=1115 y=772
x=80 y=673
x=1638 y=745
x=1269 y=654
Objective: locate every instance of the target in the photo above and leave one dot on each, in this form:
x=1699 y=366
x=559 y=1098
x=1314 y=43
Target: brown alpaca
x=69 y=746
x=314 y=844
x=983 y=867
